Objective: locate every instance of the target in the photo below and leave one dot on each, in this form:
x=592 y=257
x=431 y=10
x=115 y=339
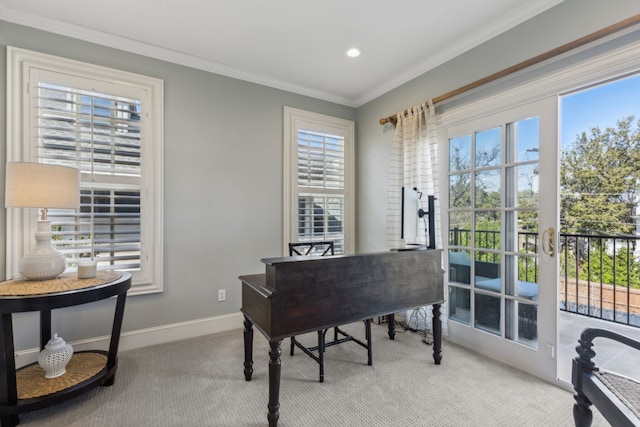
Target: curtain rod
x=531 y=61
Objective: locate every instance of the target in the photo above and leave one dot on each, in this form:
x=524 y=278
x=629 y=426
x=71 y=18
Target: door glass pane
x=487 y=271
x=487 y=230
x=459 y=304
x=487 y=312
x=527 y=323
x=460 y=153
x=488 y=148
x=527 y=179
x=460 y=190
x=522 y=323
x=527 y=139
x=528 y=231
x=521 y=274
x=459 y=228
x=528 y=273
x=488 y=189
x=521 y=231
x=460 y=267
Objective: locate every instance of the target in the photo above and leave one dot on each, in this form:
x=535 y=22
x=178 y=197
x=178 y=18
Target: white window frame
x=21 y=222
x=295 y=119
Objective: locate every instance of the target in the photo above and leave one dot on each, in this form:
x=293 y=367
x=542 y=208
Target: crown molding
x=498 y=26
x=161 y=53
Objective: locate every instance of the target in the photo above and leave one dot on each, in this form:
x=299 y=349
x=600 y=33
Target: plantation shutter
x=321 y=187
x=99 y=133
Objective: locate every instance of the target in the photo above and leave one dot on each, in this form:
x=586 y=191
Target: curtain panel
x=413 y=163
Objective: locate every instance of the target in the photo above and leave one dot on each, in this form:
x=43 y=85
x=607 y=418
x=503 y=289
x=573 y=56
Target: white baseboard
x=146 y=337
x=179 y=331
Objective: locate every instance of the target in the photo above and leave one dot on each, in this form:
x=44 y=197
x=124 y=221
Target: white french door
x=502 y=213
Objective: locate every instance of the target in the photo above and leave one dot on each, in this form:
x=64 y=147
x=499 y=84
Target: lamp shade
x=39 y=185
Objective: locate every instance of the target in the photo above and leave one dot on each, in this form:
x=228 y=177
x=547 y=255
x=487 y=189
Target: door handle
x=549 y=241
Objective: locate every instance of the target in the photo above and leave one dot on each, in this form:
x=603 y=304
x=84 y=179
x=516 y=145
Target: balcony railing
x=599 y=274
x=600 y=277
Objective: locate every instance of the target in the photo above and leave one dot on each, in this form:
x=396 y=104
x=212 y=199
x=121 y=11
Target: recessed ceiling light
x=353 y=52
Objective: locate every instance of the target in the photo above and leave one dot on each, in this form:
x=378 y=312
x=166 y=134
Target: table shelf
x=83 y=367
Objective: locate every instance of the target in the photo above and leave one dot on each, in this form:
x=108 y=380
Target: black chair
x=616 y=396
x=324 y=248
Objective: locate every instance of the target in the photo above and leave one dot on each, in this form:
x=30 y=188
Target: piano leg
x=437 y=334
x=248 y=349
x=274 y=382
x=321 y=333
x=391 y=325
x=368 y=336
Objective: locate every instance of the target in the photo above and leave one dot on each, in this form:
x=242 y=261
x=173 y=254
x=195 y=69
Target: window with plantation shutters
x=100 y=135
x=318 y=179
x=104 y=123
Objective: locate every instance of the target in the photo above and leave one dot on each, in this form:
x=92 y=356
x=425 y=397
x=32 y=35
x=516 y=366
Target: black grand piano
x=297 y=295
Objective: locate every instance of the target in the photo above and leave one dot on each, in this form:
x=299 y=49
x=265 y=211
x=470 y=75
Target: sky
x=601 y=106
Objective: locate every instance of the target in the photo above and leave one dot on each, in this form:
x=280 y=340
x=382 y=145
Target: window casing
x=108 y=124
x=318 y=179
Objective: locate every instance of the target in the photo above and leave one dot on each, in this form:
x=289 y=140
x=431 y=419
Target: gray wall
x=223 y=185
x=223 y=201
x=562 y=24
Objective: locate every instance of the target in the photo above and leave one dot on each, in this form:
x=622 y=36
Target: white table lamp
x=43 y=186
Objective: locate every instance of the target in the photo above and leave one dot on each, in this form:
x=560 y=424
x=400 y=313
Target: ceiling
x=294 y=45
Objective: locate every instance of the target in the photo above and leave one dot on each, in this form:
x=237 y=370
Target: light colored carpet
x=200 y=383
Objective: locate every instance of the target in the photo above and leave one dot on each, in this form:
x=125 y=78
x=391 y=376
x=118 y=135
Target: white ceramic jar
x=55 y=356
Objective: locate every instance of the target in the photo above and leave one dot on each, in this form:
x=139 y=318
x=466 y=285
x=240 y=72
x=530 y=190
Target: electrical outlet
x=222 y=294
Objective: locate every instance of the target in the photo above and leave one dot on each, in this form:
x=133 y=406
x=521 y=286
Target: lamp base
x=44 y=262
